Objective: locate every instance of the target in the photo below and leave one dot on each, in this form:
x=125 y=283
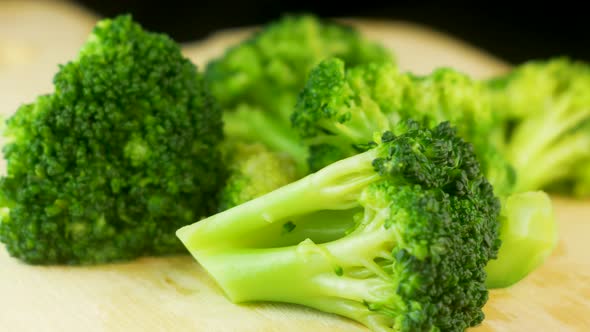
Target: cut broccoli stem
x=529 y=234
x=333 y=188
x=255 y=125
x=312 y=271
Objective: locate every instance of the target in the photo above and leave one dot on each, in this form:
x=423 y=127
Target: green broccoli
x=546 y=114
x=257 y=81
x=254 y=170
x=341 y=110
x=121 y=154
x=425 y=227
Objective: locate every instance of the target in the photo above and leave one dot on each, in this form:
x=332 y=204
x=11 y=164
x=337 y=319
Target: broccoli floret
x=121 y=154
x=340 y=110
x=254 y=170
x=425 y=227
x=546 y=110
x=343 y=108
x=257 y=81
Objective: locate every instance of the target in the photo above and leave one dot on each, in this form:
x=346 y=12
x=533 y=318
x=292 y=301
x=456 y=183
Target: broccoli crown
x=121 y=154
x=344 y=108
x=434 y=263
x=254 y=170
x=267 y=71
x=545 y=107
x=429 y=266
x=425 y=227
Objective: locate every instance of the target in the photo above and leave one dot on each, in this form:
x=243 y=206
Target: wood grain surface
x=175 y=293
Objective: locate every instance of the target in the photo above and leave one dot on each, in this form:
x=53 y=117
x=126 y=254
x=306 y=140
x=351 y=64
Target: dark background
x=513 y=31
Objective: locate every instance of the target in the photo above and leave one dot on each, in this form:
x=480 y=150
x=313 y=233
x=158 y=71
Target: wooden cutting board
x=175 y=293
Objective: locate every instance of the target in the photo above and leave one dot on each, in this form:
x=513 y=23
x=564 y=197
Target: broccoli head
x=423 y=225
x=121 y=154
x=254 y=170
x=546 y=114
x=257 y=81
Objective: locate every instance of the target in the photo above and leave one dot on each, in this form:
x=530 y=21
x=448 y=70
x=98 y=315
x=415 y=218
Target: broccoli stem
x=311 y=274
x=256 y=125
x=336 y=187
x=538 y=140
x=554 y=164
x=321 y=227
x=529 y=234
x=366 y=120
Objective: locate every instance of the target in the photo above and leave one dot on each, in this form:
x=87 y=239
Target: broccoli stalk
x=529 y=235
x=340 y=110
x=423 y=227
x=326 y=190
